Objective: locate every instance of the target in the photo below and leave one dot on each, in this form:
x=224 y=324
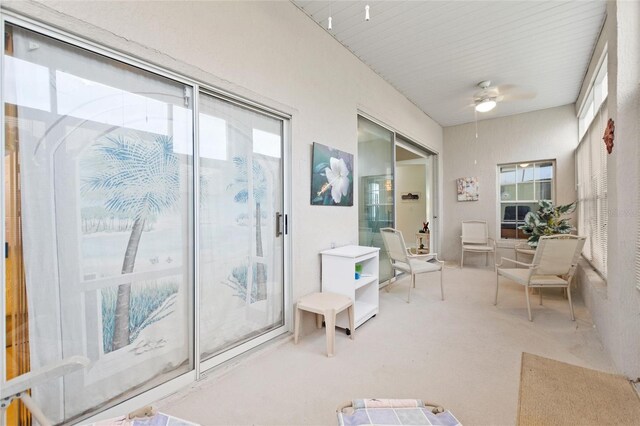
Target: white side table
x=338 y=276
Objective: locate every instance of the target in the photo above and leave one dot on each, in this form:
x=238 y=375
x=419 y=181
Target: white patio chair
x=17 y=388
x=554 y=264
x=475 y=238
x=402 y=259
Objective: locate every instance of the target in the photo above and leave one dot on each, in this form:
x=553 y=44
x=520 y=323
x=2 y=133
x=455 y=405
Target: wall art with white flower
x=331 y=177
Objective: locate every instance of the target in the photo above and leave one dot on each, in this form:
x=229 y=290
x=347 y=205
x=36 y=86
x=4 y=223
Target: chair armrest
x=493 y=242
x=51 y=371
x=425 y=256
x=435 y=257
x=528 y=265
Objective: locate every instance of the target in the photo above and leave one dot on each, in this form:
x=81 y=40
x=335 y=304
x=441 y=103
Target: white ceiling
x=435 y=52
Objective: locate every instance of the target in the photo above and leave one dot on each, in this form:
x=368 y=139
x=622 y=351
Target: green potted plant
x=548 y=220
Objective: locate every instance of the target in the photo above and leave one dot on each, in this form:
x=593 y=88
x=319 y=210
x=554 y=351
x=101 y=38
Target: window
x=591 y=170
x=595 y=97
x=522 y=185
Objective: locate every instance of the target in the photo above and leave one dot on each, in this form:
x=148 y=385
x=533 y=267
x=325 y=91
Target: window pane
x=103 y=194
x=525 y=191
x=524 y=181
x=507 y=183
x=544 y=177
x=508 y=222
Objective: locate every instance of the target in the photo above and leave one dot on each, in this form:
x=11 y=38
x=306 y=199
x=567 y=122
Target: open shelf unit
x=338 y=276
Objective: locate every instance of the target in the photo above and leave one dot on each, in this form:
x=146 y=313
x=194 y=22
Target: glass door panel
x=241 y=254
x=416 y=174
x=100 y=156
x=376 y=188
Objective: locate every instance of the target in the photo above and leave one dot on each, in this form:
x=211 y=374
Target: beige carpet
x=556 y=393
x=463 y=352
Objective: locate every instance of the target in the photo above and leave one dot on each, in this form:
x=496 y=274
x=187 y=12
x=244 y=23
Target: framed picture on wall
x=467 y=189
x=331 y=177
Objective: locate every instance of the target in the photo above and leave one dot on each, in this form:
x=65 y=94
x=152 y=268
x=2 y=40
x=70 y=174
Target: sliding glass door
x=241 y=224
x=376 y=187
x=102 y=244
x=118 y=239
x=98 y=159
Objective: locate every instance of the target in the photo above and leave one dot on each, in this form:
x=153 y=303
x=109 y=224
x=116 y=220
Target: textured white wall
x=547 y=134
x=615 y=307
x=269 y=52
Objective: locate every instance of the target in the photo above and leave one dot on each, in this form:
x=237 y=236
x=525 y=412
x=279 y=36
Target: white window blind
x=591 y=164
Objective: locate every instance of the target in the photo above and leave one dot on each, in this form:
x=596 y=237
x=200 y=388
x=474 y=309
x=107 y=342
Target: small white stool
x=327 y=305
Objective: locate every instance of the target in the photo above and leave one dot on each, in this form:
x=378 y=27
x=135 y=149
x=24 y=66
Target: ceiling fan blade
x=467 y=107
x=519 y=96
x=489 y=92
x=511 y=92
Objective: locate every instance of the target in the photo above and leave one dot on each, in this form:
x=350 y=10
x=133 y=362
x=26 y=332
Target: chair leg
x=540 y=291
x=495 y=302
x=330 y=321
x=296 y=326
x=462 y=259
x=319 y=318
x=573 y=318
x=413 y=278
x=486 y=258
x=35 y=411
x=441 y=285
x=528 y=302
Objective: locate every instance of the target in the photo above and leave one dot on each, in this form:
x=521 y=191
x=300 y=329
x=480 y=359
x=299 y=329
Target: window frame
x=516 y=201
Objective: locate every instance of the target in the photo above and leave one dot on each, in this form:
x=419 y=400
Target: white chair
x=475 y=238
x=402 y=259
x=17 y=388
x=554 y=264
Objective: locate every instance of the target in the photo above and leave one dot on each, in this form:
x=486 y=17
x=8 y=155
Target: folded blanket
x=395 y=412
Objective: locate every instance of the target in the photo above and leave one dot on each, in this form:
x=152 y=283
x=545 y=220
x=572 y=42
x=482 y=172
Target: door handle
x=279 y=223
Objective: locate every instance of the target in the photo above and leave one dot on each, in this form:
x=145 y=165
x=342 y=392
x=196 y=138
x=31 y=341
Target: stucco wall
x=271 y=53
x=615 y=305
x=541 y=135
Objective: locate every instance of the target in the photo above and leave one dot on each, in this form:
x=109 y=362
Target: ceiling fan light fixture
x=485 y=105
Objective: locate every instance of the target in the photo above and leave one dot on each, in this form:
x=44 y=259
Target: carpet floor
x=463 y=353
x=557 y=393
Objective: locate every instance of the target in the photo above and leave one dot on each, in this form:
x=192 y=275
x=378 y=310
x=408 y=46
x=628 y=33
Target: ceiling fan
x=487 y=98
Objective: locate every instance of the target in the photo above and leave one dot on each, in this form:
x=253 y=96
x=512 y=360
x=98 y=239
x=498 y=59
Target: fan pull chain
x=475 y=148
